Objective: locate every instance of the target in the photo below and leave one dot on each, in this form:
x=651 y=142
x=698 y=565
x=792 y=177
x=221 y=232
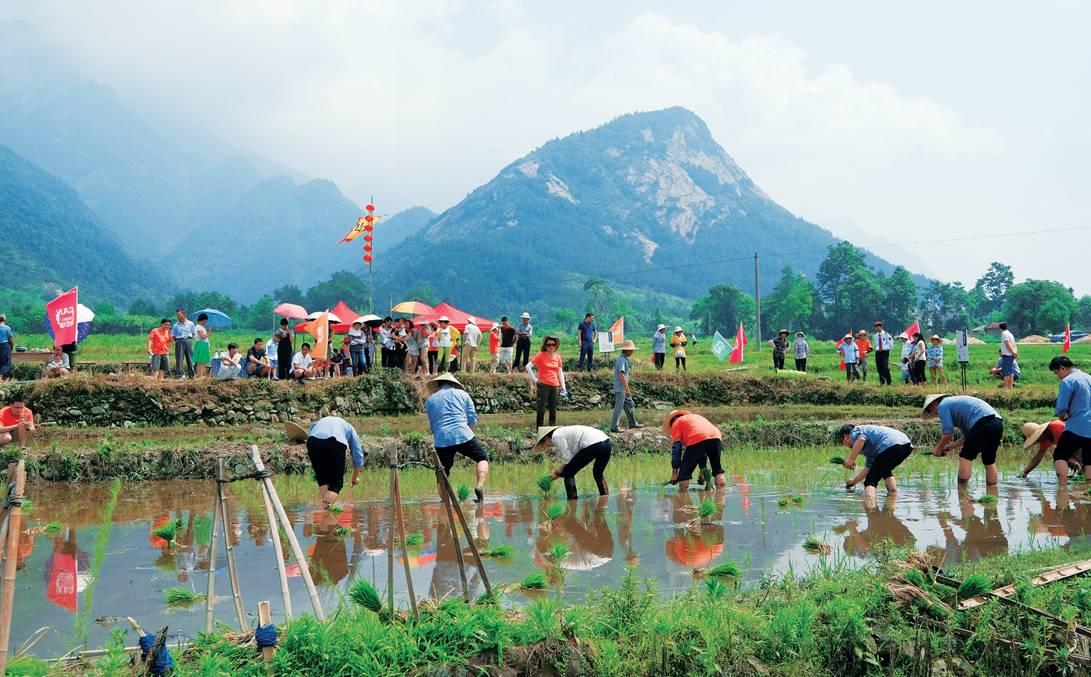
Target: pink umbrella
x=291 y=310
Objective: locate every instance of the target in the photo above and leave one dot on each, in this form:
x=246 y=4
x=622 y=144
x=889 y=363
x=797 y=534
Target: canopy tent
x=457 y=317
x=345 y=317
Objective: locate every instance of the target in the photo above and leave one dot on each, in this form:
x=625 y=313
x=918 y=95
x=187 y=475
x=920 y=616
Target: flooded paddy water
x=92 y=557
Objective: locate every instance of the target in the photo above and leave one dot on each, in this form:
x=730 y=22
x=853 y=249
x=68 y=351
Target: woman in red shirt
x=549 y=381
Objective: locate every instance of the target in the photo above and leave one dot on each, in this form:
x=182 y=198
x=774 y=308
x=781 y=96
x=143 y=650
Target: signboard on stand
x=962 y=346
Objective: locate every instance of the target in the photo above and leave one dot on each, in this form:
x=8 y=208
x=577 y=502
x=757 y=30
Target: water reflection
x=882 y=527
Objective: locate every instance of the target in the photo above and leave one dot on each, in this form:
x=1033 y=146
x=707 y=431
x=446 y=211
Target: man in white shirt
x=471 y=338
x=302 y=363
x=386 y=342
x=884 y=342
x=1008 y=355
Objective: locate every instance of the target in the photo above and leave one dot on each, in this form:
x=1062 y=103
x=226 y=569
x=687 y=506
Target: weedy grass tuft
x=715 y=588
x=363 y=594
x=535 y=581
x=181 y=597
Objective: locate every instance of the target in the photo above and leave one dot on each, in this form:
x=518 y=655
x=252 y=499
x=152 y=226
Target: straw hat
x=929 y=400
x=669 y=418
x=443 y=318
x=525 y=316
x=861 y=333
x=471 y=320
x=433 y=385
x=677 y=329
x=782 y=331
x=1033 y=431
x=934 y=337
x=799 y=333
x=295 y=432
x=543 y=433
x=662 y=326
x=627 y=344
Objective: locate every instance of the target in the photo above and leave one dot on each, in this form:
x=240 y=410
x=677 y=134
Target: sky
x=895 y=125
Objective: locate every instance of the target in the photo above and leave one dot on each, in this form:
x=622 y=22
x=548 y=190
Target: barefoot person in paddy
x=694 y=439
x=451 y=416
x=1074 y=408
x=883 y=449
x=328 y=440
x=982 y=431
x=577 y=446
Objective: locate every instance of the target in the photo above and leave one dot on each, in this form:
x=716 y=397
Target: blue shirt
x=6 y=333
x=935 y=356
x=339 y=429
x=1074 y=401
x=587 y=332
x=622 y=365
x=450 y=414
x=525 y=328
x=850 y=351
x=877 y=439
x=962 y=412
x=659 y=342
x=182 y=330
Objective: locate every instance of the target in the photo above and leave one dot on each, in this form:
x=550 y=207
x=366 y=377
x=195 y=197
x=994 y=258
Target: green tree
x=723 y=308
x=600 y=296
x=144 y=307
x=289 y=293
x=1039 y=307
x=567 y=319
x=995 y=284
x=342 y=286
x=259 y=315
x=945 y=307
x=899 y=298
x=790 y=304
x=423 y=293
x=1083 y=313
x=862 y=301
x=842 y=260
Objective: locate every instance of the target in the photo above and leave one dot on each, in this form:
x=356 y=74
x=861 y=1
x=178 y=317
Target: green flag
x=720 y=347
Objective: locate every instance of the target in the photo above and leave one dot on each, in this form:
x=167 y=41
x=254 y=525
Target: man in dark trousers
x=587 y=332
x=883 y=343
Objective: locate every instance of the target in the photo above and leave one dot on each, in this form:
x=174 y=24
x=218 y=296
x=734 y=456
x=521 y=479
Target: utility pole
x=757 y=296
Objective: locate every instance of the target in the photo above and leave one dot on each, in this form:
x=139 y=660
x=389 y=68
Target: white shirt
x=1007 y=343
x=471 y=335
x=386 y=337
x=883 y=340
x=444 y=337
x=568 y=440
x=302 y=361
x=200 y=331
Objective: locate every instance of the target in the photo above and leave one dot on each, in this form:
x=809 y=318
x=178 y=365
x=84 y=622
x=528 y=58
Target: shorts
x=1007 y=365
x=1069 y=444
x=695 y=454
x=507 y=355
x=883 y=465
x=984 y=439
x=471 y=449
x=159 y=363
x=328 y=459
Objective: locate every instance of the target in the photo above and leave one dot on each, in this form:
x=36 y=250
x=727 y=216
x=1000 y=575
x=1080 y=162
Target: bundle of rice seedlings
x=812 y=544
x=726 y=569
x=557 y=552
x=463 y=492
x=169 y=530
x=906 y=594
x=706 y=509
x=545 y=483
x=52 y=529
x=502 y=551
x=335 y=508
x=837 y=460
x=987 y=499
x=414 y=539
x=915 y=577
x=535 y=581
x=363 y=594
x=341 y=532
x=555 y=511
x=974 y=585
x=181 y=597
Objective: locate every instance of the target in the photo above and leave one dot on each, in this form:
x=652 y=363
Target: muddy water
x=58 y=586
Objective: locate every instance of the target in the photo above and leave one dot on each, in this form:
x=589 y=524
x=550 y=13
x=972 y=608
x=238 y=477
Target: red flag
x=914 y=328
x=1067 y=338
x=737 y=351
x=62 y=317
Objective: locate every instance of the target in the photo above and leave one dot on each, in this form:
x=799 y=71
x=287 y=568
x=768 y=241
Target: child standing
x=851 y=355
x=935 y=360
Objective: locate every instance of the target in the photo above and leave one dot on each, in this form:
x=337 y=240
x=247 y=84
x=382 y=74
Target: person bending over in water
x=452 y=416
x=694 y=439
x=577 y=446
x=327 y=441
x=883 y=448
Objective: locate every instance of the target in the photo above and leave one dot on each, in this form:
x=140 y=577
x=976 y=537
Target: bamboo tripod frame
x=13 y=523
x=399 y=523
x=450 y=502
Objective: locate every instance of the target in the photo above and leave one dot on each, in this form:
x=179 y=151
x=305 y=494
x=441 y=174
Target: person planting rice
x=982 y=430
x=327 y=441
x=1074 y=408
x=694 y=439
x=451 y=416
x=1046 y=436
x=577 y=445
x=883 y=448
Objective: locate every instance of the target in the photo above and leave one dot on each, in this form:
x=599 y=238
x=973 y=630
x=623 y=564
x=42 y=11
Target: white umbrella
x=369 y=320
x=315 y=315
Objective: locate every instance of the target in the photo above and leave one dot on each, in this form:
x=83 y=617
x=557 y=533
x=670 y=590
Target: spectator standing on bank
x=494 y=347
x=623 y=391
x=357 y=347
x=587 y=332
x=159 y=341
x=780 y=347
x=471 y=340
x=548 y=383
x=523 y=332
x=386 y=342
x=284 y=350
x=1074 y=408
x=850 y=354
x=202 y=346
x=659 y=346
x=884 y=342
x=182 y=333
x=917 y=361
x=7 y=347
x=863 y=349
x=678 y=345
x=1008 y=354
x=507 y=345
x=935 y=361
x=802 y=349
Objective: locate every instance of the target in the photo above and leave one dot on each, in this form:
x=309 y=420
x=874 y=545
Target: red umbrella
x=291 y=310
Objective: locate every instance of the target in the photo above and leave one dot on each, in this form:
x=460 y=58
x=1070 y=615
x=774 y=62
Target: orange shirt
x=549 y=368
x=1055 y=430
x=693 y=428
x=864 y=346
x=494 y=342
x=8 y=417
x=160 y=340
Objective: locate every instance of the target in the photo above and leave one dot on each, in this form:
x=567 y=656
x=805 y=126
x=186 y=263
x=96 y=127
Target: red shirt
x=549 y=368
x=160 y=341
x=494 y=342
x=1055 y=430
x=693 y=428
x=8 y=417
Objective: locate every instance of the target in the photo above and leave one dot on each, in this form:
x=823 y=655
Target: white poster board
x=962 y=345
x=606 y=342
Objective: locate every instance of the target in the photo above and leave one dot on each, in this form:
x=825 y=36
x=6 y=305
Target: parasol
x=217 y=319
x=413 y=308
x=318 y=313
x=369 y=320
x=291 y=310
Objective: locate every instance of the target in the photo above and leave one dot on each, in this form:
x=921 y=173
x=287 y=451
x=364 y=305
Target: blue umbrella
x=216 y=319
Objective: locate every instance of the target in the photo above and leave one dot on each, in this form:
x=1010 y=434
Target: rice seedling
x=706 y=509
x=335 y=508
x=987 y=499
x=414 y=539
x=52 y=529
x=974 y=585
x=363 y=594
x=837 y=460
x=555 y=511
x=813 y=545
x=169 y=531
x=463 y=492
x=502 y=551
x=916 y=577
x=726 y=569
x=27 y=505
x=557 y=552
x=535 y=581
x=545 y=483
x=181 y=597
x=341 y=531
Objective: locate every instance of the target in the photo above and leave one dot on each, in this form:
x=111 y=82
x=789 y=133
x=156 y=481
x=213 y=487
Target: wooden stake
x=401 y=534
x=232 y=574
x=446 y=497
x=265 y=617
x=278 y=551
x=297 y=551
x=390 y=538
x=136 y=626
x=11 y=558
x=465 y=527
x=210 y=591
x=7 y=484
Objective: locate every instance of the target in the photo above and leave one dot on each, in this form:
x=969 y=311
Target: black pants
x=916 y=372
x=522 y=352
x=679 y=363
x=547 y=398
x=883 y=465
x=284 y=360
x=600 y=454
x=882 y=366
x=801 y=364
x=588 y=350
x=432 y=355
x=328 y=460
x=387 y=357
x=778 y=361
x=660 y=359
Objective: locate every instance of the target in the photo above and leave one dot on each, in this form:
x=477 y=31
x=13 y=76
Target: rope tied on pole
x=265 y=636
x=13 y=501
x=255 y=475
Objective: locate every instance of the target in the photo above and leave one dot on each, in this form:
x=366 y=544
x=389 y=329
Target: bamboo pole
x=278 y=551
x=390 y=538
x=465 y=528
x=232 y=574
x=297 y=551
x=265 y=617
x=400 y=515
x=11 y=558
x=210 y=591
x=446 y=497
x=7 y=488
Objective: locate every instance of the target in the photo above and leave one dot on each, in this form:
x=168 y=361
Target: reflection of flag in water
x=64 y=580
x=720 y=347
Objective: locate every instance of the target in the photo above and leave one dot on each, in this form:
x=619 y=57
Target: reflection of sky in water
x=645 y=528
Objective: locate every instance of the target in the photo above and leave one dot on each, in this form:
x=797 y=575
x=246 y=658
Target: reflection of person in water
x=984 y=535
x=327 y=553
x=694 y=548
x=626 y=501
x=1068 y=519
x=882 y=526
x=585 y=532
